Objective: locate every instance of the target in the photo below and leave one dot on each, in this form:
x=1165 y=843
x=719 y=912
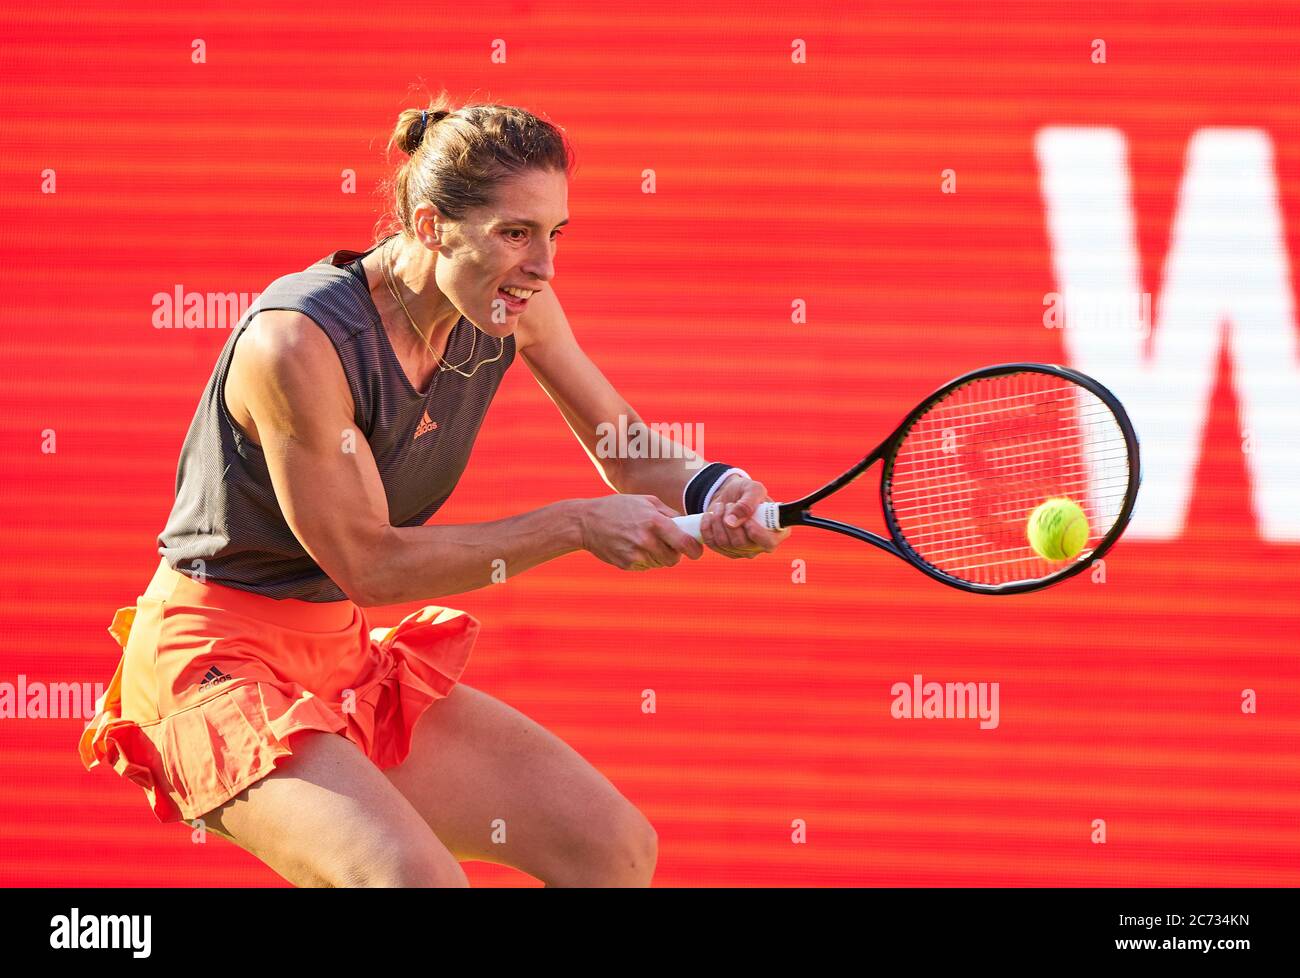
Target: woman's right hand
x=635 y=533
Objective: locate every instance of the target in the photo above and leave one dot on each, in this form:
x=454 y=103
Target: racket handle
x=768 y=515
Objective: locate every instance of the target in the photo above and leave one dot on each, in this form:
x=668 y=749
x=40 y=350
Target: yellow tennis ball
x=1058 y=529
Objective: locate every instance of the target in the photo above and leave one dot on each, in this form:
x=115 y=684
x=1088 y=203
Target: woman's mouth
x=516 y=299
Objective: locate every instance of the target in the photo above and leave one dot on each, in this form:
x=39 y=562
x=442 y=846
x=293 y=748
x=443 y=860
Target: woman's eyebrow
x=530 y=224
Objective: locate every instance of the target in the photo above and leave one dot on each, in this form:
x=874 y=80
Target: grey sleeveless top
x=226 y=526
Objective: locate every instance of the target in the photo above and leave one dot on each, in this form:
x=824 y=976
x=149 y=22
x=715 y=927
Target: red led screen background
x=851 y=205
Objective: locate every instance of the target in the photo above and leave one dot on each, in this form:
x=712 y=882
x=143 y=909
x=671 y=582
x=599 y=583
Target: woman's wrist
x=720 y=483
x=573 y=523
x=704 y=484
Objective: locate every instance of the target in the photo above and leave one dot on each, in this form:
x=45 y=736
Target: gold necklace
x=443 y=365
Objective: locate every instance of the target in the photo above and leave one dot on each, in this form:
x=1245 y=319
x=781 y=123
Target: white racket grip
x=768 y=515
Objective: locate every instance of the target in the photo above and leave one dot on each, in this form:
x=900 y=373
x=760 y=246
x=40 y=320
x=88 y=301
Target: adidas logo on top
x=426 y=425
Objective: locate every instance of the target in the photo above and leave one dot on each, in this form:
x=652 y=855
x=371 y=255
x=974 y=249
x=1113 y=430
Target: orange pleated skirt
x=214 y=682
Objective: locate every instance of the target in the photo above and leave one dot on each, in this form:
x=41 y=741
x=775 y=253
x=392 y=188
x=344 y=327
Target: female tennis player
x=251 y=691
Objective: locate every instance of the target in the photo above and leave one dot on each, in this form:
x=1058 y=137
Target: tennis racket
x=967 y=467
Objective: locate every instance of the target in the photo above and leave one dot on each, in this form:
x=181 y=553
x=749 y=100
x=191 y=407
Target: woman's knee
x=403 y=868
x=620 y=850
x=637 y=851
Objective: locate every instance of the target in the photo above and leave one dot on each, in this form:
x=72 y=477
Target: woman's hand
x=728 y=526
x=635 y=533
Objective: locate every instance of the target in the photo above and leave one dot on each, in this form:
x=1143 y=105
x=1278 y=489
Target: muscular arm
x=587 y=399
x=330 y=491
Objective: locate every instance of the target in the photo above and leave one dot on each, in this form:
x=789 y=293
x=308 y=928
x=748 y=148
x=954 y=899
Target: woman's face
x=509 y=244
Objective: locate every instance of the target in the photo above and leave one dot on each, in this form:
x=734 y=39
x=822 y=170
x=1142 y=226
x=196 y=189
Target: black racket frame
x=799 y=512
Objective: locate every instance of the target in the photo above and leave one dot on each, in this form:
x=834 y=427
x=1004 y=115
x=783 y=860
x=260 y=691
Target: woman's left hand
x=729 y=528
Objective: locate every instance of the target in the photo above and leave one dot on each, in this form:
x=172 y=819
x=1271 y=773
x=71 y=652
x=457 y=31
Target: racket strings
x=1011 y=512
x=940 y=499
x=1085 y=460
x=971 y=470
x=952 y=430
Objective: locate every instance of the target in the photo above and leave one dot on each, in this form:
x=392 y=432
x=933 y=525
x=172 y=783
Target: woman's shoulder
x=285 y=352
x=330 y=295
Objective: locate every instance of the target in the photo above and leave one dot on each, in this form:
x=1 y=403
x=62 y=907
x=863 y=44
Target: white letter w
x=1227 y=267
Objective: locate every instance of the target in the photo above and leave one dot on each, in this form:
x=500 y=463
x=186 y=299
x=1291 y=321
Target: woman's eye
x=519 y=231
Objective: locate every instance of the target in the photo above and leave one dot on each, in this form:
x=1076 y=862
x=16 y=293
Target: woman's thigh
x=326 y=816
x=495 y=785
